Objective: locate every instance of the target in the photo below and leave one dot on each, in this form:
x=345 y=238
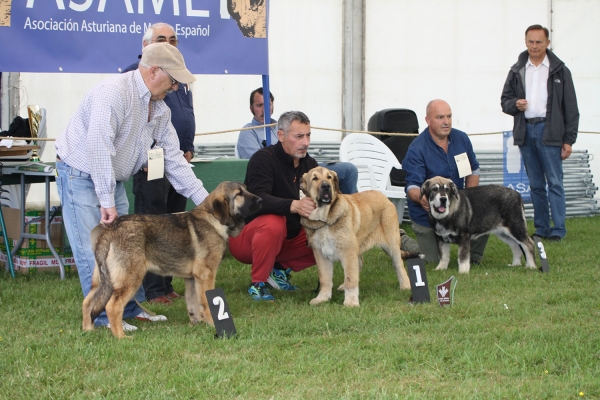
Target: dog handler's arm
x=108 y=215
x=415 y=195
x=303 y=207
x=472 y=181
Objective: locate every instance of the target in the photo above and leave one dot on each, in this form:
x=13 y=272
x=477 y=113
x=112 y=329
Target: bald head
x=439 y=119
x=435 y=105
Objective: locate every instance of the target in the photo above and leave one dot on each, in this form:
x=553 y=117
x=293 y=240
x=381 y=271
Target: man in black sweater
x=273 y=240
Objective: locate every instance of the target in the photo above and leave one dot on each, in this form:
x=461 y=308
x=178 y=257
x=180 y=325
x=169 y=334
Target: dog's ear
x=336 y=181
x=220 y=208
x=304 y=184
x=425 y=189
x=454 y=189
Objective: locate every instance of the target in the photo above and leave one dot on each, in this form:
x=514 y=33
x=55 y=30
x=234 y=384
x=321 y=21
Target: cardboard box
x=34 y=254
x=32 y=247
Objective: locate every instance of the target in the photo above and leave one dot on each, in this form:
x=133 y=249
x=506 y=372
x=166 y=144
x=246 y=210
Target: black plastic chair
x=397 y=120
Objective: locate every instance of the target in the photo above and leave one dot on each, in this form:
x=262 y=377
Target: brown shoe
x=173 y=296
x=161 y=300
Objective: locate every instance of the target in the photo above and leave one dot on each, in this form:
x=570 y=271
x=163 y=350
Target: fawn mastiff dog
x=189 y=245
x=342 y=227
x=457 y=216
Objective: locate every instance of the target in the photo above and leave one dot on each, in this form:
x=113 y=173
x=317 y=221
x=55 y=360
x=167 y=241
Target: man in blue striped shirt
x=107 y=141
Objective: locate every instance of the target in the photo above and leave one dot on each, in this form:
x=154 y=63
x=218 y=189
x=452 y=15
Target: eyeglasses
x=171 y=41
x=173 y=81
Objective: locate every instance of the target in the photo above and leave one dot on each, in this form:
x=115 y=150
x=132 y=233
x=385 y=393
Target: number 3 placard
x=220 y=313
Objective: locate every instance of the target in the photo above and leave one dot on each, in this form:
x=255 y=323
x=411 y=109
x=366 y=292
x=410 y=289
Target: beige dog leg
x=360 y=264
x=351 y=279
x=191 y=300
x=400 y=270
x=87 y=324
x=206 y=282
x=530 y=248
x=325 y=279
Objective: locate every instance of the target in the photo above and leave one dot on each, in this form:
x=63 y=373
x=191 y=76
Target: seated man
x=273 y=240
x=251 y=140
x=434 y=153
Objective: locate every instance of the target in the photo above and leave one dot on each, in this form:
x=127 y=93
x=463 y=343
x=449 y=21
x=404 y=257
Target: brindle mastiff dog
x=457 y=216
x=189 y=245
x=342 y=227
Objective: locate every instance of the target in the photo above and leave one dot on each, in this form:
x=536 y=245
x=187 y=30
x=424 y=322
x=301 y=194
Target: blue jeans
x=544 y=164
x=347 y=175
x=81 y=214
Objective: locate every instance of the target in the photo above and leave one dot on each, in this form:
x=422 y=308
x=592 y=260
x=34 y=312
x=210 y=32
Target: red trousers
x=262 y=242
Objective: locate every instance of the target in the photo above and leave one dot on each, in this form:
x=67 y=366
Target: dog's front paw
x=341 y=288
x=441 y=267
x=208 y=320
x=352 y=302
x=318 y=300
x=464 y=268
x=87 y=327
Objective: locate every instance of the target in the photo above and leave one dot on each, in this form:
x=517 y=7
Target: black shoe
x=538 y=236
x=554 y=238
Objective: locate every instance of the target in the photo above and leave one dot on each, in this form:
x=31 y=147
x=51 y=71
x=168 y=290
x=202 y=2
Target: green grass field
x=512 y=333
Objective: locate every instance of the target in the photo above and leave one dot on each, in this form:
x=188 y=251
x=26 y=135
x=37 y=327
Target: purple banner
x=104 y=36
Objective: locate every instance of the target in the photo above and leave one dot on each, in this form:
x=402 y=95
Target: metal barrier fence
x=579 y=186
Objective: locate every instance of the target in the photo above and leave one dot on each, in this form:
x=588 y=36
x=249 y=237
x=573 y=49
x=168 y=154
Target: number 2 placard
x=220 y=313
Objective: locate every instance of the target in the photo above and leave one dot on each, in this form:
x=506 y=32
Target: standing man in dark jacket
x=273 y=240
x=158 y=196
x=540 y=95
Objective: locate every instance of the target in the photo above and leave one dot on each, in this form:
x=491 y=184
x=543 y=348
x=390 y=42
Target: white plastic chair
x=374 y=161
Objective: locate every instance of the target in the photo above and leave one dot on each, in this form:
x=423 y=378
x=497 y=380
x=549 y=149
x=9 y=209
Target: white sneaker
x=126 y=327
x=144 y=316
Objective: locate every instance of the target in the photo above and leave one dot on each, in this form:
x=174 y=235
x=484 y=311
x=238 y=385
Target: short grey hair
x=286 y=119
x=147 y=38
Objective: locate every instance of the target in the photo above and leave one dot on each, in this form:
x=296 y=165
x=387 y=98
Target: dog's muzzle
x=325 y=193
x=441 y=208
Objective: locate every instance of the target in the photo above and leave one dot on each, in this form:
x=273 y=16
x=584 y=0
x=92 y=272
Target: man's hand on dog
x=108 y=215
x=303 y=207
x=416 y=196
x=425 y=203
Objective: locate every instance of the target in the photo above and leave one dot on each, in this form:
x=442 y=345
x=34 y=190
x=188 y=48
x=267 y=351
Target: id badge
x=463 y=164
x=156 y=164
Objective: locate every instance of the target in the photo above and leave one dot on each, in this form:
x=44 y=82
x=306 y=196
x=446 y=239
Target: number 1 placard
x=220 y=313
x=418 y=280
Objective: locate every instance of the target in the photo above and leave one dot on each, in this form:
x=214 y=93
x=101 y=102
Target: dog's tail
x=410 y=254
x=101 y=283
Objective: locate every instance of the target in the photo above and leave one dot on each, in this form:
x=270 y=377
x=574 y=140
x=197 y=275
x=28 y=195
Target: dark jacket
x=562 y=114
x=181 y=104
x=271 y=176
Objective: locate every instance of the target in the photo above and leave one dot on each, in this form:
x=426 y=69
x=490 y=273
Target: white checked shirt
x=536 y=88
x=110 y=135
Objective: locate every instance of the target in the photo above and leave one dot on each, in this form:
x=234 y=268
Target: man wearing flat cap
x=107 y=141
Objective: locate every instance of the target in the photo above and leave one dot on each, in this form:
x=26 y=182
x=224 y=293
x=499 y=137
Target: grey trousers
x=428 y=244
